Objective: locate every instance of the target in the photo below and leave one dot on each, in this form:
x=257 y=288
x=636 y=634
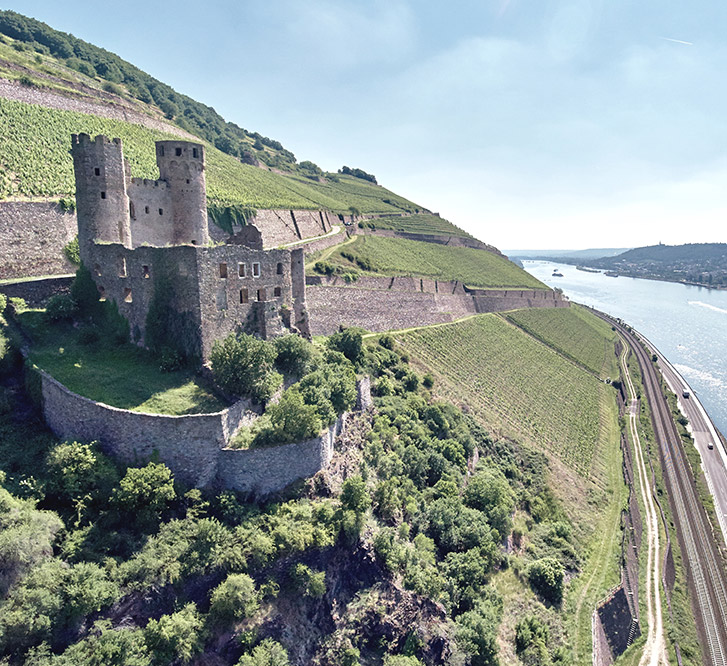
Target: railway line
x=704 y=564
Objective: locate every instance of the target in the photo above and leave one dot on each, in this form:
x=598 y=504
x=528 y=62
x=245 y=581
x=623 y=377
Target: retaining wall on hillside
x=439 y=239
x=192 y=446
x=36 y=292
x=32 y=237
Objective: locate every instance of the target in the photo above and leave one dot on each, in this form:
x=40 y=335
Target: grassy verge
x=397 y=256
x=123 y=375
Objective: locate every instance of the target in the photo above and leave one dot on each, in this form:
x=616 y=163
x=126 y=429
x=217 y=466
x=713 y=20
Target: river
x=687 y=323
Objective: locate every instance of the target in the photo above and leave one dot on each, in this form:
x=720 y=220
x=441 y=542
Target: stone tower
x=181 y=165
x=102 y=203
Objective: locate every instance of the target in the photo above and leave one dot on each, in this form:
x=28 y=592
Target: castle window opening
x=101 y=294
x=277 y=291
x=194 y=153
x=256 y=269
x=243 y=295
x=103 y=195
x=221 y=299
x=127 y=295
x=97 y=171
x=280 y=269
x=97 y=269
x=178 y=152
x=146 y=209
x=260 y=294
x=161 y=211
x=241 y=272
x=132 y=210
x=187 y=181
x=122 y=266
x=223 y=271
x=145 y=271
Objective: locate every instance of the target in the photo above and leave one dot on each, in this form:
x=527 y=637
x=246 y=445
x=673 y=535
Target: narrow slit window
x=146 y=209
x=161 y=211
x=260 y=294
x=243 y=295
x=187 y=181
x=277 y=292
x=241 y=272
x=127 y=295
x=103 y=195
x=122 y=266
x=97 y=171
x=223 y=270
x=145 y=272
x=256 y=269
x=178 y=152
x=280 y=269
x=97 y=269
x=195 y=153
x=132 y=210
x=101 y=294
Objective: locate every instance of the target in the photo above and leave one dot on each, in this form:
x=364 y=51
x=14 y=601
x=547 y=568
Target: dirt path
x=655 y=646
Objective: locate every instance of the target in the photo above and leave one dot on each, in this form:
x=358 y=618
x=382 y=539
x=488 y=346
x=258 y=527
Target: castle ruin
x=147 y=246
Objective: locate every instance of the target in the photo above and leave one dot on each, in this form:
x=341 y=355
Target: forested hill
x=693 y=262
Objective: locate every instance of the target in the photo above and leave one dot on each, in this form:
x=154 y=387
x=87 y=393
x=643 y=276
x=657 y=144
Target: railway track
x=704 y=564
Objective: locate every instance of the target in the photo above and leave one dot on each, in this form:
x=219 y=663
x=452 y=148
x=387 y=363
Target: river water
x=688 y=324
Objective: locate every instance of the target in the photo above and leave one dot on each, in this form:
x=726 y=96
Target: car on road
x=685 y=394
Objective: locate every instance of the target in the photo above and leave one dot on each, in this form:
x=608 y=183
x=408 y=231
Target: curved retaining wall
x=192 y=446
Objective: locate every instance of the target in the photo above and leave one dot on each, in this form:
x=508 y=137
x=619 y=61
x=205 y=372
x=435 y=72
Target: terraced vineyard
x=575 y=333
x=422 y=223
x=398 y=256
x=510 y=381
x=35 y=162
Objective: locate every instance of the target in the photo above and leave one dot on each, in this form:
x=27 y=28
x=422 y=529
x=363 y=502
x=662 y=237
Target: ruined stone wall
x=439 y=239
x=33 y=237
x=310 y=223
x=148 y=225
x=268 y=470
x=36 y=292
x=500 y=300
x=188 y=445
x=397 y=283
x=234 y=283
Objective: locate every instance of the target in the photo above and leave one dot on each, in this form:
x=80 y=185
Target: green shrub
x=144 y=492
x=546 y=578
x=17 y=304
x=243 y=365
x=175 y=637
x=60 y=307
x=401 y=660
x=308 y=582
x=3 y=303
x=71 y=249
x=354 y=495
x=350 y=343
x=88 y=335
x=268 y=653
x=234 y=598
x=530 y=631
x=488 y=491
x=293 y=420
x=170 y=359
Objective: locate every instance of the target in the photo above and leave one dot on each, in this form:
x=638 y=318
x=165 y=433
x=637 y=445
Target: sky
x=550 y=124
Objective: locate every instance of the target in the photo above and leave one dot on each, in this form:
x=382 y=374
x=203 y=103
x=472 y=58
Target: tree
x=145 y=492
x=488 y=491
x=349 y=342
x=294 y=354
x=243 y=365
x=293 y=420
x=268 y=653
x=76 y=470
x=354 y=496
x=234 y=598
x=175 y=637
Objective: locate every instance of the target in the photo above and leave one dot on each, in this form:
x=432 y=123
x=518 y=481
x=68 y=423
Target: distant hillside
x=592 y=253
x=701 y=263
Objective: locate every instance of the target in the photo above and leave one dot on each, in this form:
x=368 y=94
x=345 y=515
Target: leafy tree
x=60 y=307
x=354 y=496
x=349 y=342
x=243 y=365
x=401 y=660
x=268 y=653
x=293 y=420
x=477 y=632
x=234 y=598
x=310 y=583
x=532 y=635
x=546 y=577
x=294 y=354
x=175 y=637
x=144 y=492
x=488 y=491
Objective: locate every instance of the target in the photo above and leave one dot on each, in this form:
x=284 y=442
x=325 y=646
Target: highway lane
x=714 y=460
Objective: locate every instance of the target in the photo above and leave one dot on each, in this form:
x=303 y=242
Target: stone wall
x=36 y=292
x=146 y=199
x=439 y=239
x=32 y=238
x=192 y=446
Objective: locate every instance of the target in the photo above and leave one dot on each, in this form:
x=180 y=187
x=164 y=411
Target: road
x=703 y=561
x=714 y=461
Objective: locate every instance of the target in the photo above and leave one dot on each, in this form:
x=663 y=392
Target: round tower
x=102 y=205
x=181 y=165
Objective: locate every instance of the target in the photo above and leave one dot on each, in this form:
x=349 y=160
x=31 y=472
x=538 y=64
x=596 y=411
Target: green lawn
x=398 y=256
x=123 y=376
x=574 y=332
x=419 y=224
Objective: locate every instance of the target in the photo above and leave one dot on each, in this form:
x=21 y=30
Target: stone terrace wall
x=36 y=292
x=500 y=300
x=188 y=445
x=439 y=239
x=268 y=470
x=32 y=237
